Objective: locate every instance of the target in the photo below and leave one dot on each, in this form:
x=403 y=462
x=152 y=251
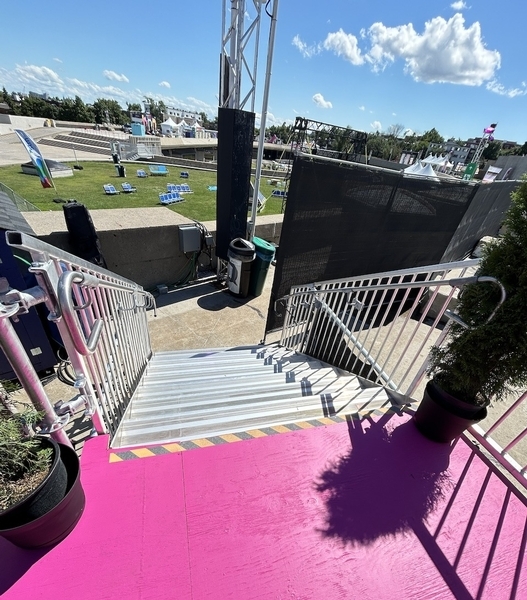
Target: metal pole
x=18 y=359
x=251 y=229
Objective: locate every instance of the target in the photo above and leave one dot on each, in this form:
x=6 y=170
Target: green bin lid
x=264 y=247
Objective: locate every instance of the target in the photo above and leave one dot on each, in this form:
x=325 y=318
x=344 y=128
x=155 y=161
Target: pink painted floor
x=365 y=509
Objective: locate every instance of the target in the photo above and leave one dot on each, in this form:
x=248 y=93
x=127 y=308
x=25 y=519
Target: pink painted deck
x=365 y=509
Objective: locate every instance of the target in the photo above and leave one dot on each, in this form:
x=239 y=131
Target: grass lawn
x=86 y=186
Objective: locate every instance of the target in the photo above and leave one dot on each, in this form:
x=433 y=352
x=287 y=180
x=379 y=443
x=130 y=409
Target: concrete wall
x=141 y=244
x=8 y=123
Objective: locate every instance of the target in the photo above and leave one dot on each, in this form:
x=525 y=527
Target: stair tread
x=203 y=428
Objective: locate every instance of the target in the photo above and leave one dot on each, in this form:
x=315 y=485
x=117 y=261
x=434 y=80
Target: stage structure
x=323 y=139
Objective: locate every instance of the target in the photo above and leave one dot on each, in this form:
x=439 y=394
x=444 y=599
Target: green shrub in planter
x=23 y=463
x=486 y=360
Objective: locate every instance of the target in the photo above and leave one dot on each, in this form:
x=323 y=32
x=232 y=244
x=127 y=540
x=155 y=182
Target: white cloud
x=345 y=45
x=43 y=79
x=38 y=75
x=376 y=126
x=113 y=76
x=57 y=60
x=319 y=100
x=501 y=90
x=459 y=5
x=362 y=107
x=164 y=84
x=305 y=50
x=394 y=114
x=446 y=52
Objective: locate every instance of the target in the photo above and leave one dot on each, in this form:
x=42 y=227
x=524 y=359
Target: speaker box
x=235 y=150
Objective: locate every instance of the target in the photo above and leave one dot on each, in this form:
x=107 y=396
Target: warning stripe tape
x=229 y=438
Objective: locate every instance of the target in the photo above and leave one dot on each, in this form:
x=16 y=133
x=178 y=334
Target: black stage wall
x=346 y=219
x=235 y=149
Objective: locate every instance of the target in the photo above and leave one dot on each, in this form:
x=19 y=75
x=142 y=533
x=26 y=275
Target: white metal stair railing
x=383 y=326
x=102 y=320
x=380 y=326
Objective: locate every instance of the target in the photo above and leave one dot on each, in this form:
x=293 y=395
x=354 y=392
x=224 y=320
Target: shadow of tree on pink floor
x=390 y=481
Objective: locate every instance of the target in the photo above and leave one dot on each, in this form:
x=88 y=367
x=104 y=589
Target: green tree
x=109 y=111
x=157 y=109
x=282 y=132
x=75 y=110
x=492 y=151
x=432 y=137
x=208 y=124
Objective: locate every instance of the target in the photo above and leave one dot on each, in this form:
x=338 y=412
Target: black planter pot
x=53 y=509
x=442 y=418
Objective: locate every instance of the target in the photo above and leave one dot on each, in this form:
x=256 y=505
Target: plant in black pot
x=41 y=498
x=485 y=356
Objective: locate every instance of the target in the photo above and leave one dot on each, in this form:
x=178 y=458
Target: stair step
x=215 y=376
x=156 y=432
x=152 y=402
x=218 y=384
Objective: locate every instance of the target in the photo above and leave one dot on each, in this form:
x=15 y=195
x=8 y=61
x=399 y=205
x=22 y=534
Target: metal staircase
x=187 y=395
x=347 y=346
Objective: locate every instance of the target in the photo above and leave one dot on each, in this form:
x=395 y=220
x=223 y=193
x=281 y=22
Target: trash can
x=121 y=171
x=241 y=255
x=264 y=255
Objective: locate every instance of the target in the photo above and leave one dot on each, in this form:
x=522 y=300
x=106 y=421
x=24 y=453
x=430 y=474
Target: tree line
x=102 y=111
x=389 y=145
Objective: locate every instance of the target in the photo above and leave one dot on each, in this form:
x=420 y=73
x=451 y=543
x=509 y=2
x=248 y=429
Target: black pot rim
x=458 y=407
x=46 y=441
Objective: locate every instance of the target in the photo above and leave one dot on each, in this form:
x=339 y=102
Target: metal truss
x=327 y=140
x=239 y=53
x=323 y=139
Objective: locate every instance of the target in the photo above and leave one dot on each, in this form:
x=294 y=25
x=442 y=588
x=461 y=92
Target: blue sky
x=370 y=64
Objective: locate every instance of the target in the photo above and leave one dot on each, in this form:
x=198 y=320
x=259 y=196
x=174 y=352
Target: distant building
x=43 y=96
x=458 y=153
x=178 y=114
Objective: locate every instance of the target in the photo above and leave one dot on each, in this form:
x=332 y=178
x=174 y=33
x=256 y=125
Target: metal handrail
x=101 y=318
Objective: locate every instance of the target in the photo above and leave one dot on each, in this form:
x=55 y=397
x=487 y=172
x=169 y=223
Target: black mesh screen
x=235 y=149
x=346 y=219
x=483 y=217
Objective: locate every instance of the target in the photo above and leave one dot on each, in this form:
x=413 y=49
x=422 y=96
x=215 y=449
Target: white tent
x=424 y=171
x=413 y=169
x=170 y=127
x=430 y=160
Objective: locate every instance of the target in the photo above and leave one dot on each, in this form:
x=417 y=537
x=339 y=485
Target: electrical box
x=189 y=238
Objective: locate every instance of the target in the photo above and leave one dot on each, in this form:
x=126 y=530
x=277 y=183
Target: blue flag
x=36 y=158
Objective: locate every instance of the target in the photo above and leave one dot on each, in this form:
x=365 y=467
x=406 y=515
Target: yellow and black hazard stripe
x=240 y=436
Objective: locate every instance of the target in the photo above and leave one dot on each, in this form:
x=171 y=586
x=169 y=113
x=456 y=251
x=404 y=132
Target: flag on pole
x=36 y=158
x=490 y=129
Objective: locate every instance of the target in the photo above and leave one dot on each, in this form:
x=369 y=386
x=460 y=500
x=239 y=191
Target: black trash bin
x=121 y=171
x=264 y=255
x=241 y=255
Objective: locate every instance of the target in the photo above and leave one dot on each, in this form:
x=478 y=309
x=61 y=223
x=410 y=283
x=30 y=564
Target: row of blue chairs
x=110 y=190
x=181 y=188
x=170 y=198
x=279 y=193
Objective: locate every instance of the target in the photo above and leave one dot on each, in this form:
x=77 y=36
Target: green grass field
x=86 y=186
